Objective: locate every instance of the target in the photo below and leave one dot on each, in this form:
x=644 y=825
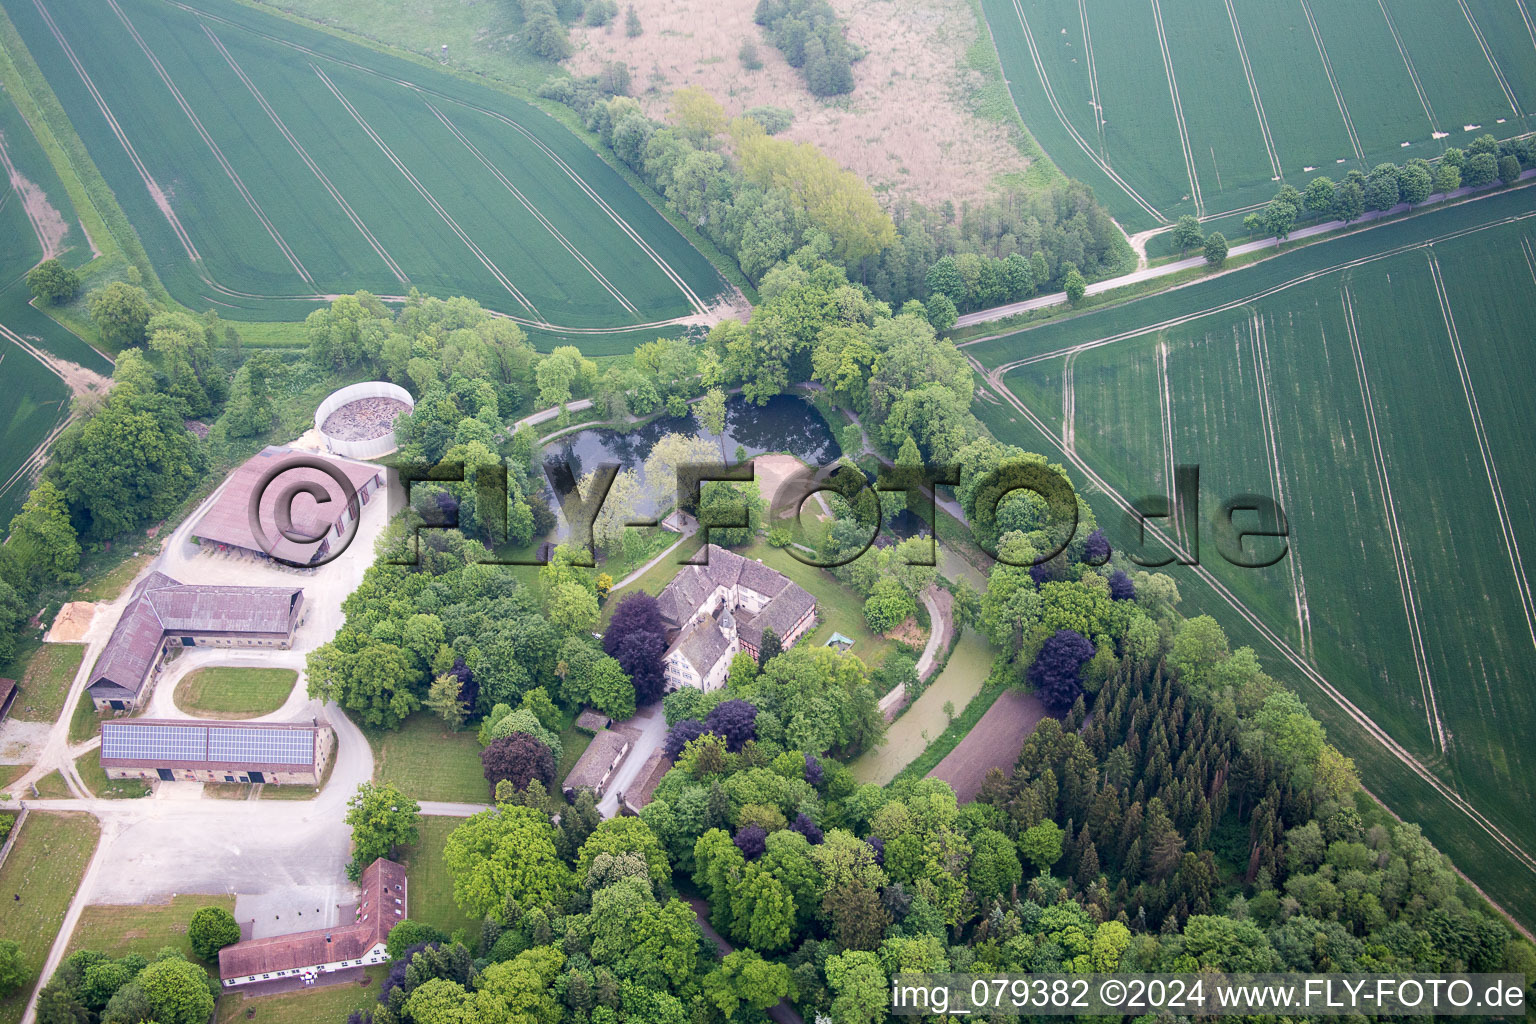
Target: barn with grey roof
x=163 y=612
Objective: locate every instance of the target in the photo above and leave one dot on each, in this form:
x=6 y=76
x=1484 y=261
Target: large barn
x=381 y=906
x=227 y=522
x=164 y=612
x=184 y=750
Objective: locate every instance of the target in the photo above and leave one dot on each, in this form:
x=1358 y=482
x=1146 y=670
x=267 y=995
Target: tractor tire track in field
x=298 y=147
x=1530 y=256
x=1178 y=111
x=34 y=462
x=1333 y=82
x=155 y=190
x=1485 y=448
x=76 y=378
x=698 y=304
x=1061 y=115
x=1165 y=414
x=1270 y=430
x=213 y=147
x=1068 y=404
x=1498 y=72
x=1401 y=560
x=1525 y=16
x=1404 y=756
x=1253 y=90
x=47 y=240
x=623 y=225
x=1413 y=73
x=190 y=248
x=1313 y=275
x=554 y=232
x=421 y=189
x=1093 y=73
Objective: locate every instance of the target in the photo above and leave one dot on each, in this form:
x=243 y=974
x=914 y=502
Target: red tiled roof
x=228 y=519
x=383 y=883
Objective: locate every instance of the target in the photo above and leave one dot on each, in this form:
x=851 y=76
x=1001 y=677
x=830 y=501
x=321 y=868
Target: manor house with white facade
x=713 y=611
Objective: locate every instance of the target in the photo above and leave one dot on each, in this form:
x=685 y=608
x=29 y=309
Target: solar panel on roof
x=201 y=742
x=265 y=746
x=154 y=742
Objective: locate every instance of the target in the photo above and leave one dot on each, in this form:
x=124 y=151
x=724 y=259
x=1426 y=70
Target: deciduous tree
x=501 y=855
x=13 y=966
x=210 y=930
x=381 y=818
x=121 y=311
x=636 y=637
x=1074 y=285
x=1216 y=249
x=519 y=759
x=177 y=991
x=51 y=282
x=1056 y=671
x=1187 y=234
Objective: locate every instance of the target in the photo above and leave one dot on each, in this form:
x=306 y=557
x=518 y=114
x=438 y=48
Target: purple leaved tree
x=736 y=720
x=637 y=638
x=1055 y=673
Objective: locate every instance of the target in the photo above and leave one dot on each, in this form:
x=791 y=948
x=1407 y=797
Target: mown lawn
x=86 y=721
x=45 y=682
x=429 y=761
x=573 y=743
x=226 y=692
x=838 y=609
x=430 y=885
x=53 y=787
x=118 y=930
x=323 y=1004
x=653 y=580
x=95 y=779
x=44 y=868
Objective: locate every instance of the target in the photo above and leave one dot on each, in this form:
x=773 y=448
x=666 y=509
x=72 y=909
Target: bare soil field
x=994 y=743
x=905 y=128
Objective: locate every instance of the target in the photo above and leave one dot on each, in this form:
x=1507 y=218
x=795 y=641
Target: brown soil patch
x=80 y=381
x=771 y=471
x=72 y=623
x=47 y=222
x=995 y=742
x=909 y=633
x=904 y=129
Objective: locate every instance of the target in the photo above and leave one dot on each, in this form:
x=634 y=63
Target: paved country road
x=982 y=316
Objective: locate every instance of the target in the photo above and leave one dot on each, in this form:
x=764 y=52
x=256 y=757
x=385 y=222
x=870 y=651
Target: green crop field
x=35 y=403
x=267 y=165
x=1204 y=106
x=1376 y=387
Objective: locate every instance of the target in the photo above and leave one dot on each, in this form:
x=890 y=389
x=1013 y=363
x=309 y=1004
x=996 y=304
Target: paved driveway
x=650 y=726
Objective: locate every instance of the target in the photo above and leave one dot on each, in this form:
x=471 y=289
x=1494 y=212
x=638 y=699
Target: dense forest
x=1184 y=812
x=760 y=199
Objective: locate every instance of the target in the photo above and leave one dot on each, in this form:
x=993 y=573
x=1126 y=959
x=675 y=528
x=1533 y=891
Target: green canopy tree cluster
x=761 y=198
x=91 y=987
